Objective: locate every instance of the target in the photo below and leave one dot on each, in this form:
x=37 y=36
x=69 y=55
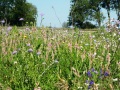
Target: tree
x=96 y=14
x=6 y=7
x=107 y=4
x=79 y=12
x=32 y=15
x=98 y=17
x=19 y=11
x=116 y=7
x=13 y=10
x=85 y=11
x=65 y=25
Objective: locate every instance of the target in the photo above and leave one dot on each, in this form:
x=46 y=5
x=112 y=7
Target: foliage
x=6 y=9
x=96 y=13
x=13 y=10
x=88 y=25
x=85 y=11
x=107 y=5
x=116 y=7
x=78 y=13
x=90 y=10
x=65 y=25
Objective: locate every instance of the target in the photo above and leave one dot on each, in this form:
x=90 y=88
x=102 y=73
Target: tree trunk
x=99 y=19
x=118 y=14
x=108 y=12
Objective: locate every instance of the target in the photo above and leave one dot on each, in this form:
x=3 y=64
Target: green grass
x=63 y=62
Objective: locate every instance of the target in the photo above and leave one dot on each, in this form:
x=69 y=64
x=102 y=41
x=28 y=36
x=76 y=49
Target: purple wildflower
x=89 y=74
x=14 y=52
x=27 y=29
x=119 y=33
x=107 y=30
x=89 y=87
x=87 y=81
x=41 y=14
x=2 y=21
x=106 y=73
x=30 y=50
x=93 y=70
x=9 y=28
x=38 y=53
x=96 y=72
x=117 y=22
x=28 y=44
x=91 y=83
x=21 y=19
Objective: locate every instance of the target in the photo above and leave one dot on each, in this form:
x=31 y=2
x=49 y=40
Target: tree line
x=84 y=11
x=20 y=12
x=17 y=12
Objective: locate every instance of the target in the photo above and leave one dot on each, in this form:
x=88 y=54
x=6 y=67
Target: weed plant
x=48 y=59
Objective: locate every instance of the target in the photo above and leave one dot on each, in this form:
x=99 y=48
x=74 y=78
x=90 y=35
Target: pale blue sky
x=62 y=8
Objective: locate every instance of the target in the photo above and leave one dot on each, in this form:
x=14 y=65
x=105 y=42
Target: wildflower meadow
x=60 y=59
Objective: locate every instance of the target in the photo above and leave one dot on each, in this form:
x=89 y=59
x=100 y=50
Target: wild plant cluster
x=49 y=59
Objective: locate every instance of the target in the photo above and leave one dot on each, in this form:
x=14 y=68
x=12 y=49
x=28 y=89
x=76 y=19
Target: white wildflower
x=116 y=79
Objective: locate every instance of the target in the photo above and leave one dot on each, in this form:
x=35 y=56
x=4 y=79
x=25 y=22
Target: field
x=50 y=59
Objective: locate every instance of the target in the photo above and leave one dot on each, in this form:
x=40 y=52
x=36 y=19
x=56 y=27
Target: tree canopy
x=13 y=10
x=85 y=11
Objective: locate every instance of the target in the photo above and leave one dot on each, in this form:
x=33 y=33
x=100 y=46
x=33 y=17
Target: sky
x=60 y=11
